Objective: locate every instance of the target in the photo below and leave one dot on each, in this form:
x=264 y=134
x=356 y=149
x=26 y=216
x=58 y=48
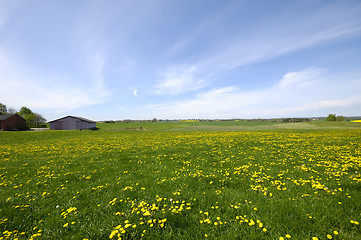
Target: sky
x=181 y=59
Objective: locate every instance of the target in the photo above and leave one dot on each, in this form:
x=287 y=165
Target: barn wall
x=57 y=125
x=70 y=123
x=14 y=122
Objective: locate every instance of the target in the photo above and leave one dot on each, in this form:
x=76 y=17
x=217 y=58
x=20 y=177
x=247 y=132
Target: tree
x=331 y=118
x=32 y=119
x=3 y=108
x=11 y=110
x=340 y=118
x=24 y=111
x=39 y=120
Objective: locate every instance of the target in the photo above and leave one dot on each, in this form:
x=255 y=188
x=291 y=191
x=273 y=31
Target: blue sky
x=181 y=59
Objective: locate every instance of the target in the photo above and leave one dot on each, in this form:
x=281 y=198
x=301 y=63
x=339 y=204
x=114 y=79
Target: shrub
x=331 y=118
x=340 y=118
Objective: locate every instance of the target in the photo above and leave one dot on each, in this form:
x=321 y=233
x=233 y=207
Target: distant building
x=12 y=122
x=71 y=122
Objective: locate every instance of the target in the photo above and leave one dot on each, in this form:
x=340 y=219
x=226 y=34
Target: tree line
x=334 y=118
x=33 y=119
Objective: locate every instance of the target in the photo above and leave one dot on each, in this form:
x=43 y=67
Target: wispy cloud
x=179 y=80
x=200 y=64
x=262 y=47
x=301 y=79
x=135 y=92
x=21 y=86
x=74 y=81
x=330 y=105
x=263 y=41
x=17 y=93
x=296 y=94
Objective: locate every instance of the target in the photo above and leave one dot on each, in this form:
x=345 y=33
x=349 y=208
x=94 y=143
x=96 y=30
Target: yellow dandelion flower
x=113 y=233
x=147 y=213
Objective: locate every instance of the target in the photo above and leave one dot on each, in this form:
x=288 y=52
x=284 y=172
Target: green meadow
x=183 y=180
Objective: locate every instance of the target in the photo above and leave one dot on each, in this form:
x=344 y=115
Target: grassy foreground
x=182 y=181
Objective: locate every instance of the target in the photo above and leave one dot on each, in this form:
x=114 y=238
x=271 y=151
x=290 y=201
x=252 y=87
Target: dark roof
x=80 y=118
x=7 y=115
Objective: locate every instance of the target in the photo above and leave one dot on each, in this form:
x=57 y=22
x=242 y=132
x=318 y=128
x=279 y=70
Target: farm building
x=71 y=122
x=11 y=122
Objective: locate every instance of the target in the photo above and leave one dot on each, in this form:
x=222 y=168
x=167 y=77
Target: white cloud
x=302 y=78
x=135 y=93
x=17 y=93
x=297 y=94
x=179 y=80
x=273 y=36
x=264 y=46
x=21 y=86
x=327 y=104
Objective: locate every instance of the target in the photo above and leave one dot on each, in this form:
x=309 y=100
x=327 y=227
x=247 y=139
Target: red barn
x=11 y=122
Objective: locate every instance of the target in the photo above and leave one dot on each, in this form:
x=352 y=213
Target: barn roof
x=7 y=115
x=80 y=118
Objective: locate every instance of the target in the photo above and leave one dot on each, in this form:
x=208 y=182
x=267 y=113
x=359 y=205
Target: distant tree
x=154 y=120
x=39 y=120
x=3 y=108
x=331 y=118
x=11 y=110
x=32 y=119
x=24 y=111
x=340 y=118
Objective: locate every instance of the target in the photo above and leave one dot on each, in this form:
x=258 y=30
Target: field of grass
x=174 y=180
x=226 y=125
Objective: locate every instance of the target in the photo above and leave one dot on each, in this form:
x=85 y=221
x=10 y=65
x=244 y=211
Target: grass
x=226 y=125
x=183 y=180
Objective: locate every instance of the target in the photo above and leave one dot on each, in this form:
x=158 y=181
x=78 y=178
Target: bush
x=331 y=118
x=340 y=118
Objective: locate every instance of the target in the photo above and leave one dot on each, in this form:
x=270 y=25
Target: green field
x=183 y=180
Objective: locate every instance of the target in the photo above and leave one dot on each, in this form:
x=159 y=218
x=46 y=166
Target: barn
x=12 y=122
x=72 y=122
